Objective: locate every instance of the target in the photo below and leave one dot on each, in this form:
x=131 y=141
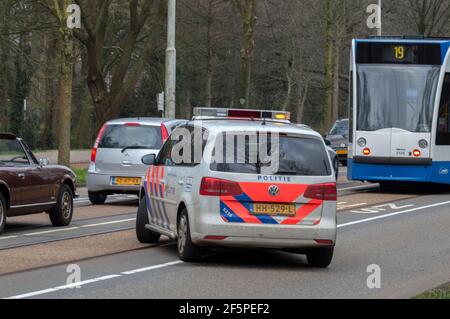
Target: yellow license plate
x=127 y=181
x=274 y=209
x=342 y=152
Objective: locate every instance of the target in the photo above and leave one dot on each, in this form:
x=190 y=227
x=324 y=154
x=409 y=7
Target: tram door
x=442 y=151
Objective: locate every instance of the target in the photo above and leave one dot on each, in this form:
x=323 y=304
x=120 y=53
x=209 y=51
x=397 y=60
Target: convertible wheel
x=2 y=213
x=62 y=212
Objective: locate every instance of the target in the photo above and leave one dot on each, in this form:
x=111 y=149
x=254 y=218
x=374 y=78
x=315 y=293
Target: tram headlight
x=362 y=142
x=423 y=144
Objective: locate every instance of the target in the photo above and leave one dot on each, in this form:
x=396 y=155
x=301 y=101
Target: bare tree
x=431 y=17
x=247 y=13
x=112 y=80
x=59 y=9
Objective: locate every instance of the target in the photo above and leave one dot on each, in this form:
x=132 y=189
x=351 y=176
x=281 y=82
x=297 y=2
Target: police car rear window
x=139 y=136
x=297 y=156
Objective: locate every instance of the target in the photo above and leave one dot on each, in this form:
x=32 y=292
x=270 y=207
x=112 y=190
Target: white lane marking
x=109 y=223
x=47 y=291
x=380 y=208
x=70 y=286
x=70 y=229
x=351 y=206
x=362 y=221
x=52 y=231
x=136 y=271
x=113 y=197
x=9 y=237
x=362 y=187
x=91 y=281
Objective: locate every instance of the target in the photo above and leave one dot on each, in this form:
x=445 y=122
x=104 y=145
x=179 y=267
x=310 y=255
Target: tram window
x=443 y=127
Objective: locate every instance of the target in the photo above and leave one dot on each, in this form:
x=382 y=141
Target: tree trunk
x=287 y=100
x=65 y=96
x=248 y=17
x=303 y=95
x=328 y=67
x=336 y=87
x=50 y=119
x=209 y=59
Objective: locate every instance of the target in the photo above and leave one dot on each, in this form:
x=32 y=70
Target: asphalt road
x=404 y=233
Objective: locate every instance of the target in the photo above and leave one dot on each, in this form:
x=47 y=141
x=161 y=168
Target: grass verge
x=442 y=293
x=81 y=176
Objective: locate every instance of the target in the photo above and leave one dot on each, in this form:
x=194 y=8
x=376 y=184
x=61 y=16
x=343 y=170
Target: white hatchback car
x=241 y=200
x=116 y=166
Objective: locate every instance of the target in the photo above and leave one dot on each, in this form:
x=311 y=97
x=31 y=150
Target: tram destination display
x=398 y=53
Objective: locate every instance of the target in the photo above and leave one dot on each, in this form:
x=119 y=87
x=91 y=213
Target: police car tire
x=191 y=252
x=2 y=213
x=144 y=235
x=61 y=214
x=320 y=257
x=97 y=198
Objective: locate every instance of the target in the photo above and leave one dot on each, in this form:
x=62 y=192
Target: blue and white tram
x=400 y=110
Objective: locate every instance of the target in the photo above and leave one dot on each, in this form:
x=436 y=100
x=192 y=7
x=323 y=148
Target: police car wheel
x=2 y=213
x=97 y=198
x=320 y=257
x=61 y=214
x=187 y=251
x=144 y=235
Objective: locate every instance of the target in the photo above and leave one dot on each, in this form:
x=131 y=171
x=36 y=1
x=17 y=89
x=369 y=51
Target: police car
x=241 y=178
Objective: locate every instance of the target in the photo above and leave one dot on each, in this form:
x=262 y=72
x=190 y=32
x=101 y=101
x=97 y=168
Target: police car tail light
x=96 y=144
x=327 y=192
x=219 y=187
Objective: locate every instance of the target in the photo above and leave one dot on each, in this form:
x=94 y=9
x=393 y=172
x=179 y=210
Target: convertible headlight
x=362 y=142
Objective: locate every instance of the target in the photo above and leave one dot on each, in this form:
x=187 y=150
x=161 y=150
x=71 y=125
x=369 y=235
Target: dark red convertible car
x=31 y=186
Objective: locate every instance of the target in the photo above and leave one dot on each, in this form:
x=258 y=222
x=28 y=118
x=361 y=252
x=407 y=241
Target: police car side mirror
x=149 y=159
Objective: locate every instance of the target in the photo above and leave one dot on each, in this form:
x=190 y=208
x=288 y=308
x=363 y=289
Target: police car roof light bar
x=217 y=113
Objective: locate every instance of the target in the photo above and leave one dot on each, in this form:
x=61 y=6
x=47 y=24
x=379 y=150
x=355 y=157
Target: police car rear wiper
x=290 y=173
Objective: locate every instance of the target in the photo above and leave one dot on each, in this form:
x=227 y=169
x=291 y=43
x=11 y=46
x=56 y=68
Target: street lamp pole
x=171 y=60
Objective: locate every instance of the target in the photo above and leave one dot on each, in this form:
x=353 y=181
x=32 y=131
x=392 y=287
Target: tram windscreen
x=396 y=96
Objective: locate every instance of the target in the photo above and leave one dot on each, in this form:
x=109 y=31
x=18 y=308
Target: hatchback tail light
x=219 y=187
x=97 y=142
x=164 y=133
x=327 y=192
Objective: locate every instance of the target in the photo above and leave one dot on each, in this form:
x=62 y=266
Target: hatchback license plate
x=126 y=181
x=274 y=209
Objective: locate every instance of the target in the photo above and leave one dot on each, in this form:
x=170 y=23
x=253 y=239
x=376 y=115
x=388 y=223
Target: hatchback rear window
x=297 y=156
x=139 y=136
